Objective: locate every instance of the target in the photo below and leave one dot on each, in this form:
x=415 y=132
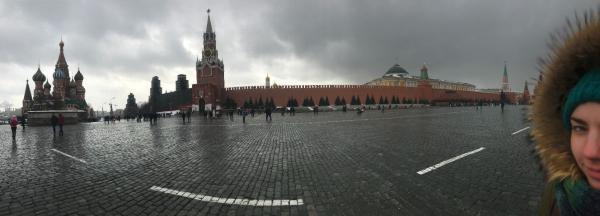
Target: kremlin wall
x=281 y=94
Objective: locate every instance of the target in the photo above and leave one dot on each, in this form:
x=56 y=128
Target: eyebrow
x=579 y=121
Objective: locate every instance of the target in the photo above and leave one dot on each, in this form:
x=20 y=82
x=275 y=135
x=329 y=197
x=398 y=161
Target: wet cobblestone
x=337 y=163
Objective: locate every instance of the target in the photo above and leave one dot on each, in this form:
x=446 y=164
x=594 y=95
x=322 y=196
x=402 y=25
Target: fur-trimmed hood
x=574 y=51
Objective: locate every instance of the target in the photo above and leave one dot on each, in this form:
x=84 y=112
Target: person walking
x=244 y=114
x=13 y=126
x=61 y=122
x=566 y=122
x=502 y=100
x=23 y=122
x=268 y=112
x=189 y=114
x=183 y=116
x=53 y=122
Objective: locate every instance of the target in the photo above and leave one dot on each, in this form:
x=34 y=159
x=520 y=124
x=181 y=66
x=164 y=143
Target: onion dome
x=72 y=84
x=78 y=75
x=59 y=74
x=47 y=85
x=396 y=69
x=80 y=90
x=39 y=76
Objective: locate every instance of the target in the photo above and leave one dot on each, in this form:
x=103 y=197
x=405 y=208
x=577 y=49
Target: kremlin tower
x=209 y=90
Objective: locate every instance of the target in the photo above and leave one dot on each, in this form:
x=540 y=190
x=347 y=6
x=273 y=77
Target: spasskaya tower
x=209 y=90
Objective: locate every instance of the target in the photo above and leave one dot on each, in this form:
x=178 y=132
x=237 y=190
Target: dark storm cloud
x=294 y=41
x=459 y=39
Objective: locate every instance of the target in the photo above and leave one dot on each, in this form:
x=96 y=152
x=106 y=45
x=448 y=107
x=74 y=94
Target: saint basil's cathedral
x=68 y=93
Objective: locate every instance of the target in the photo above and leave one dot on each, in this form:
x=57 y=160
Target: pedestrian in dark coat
x=53 y=122
x=23 y=122
x=189 y=115
x=268 y=112
x=61 y=122
x=566 y=122
x=13 y=126
x=183 y=116
x=244 y=114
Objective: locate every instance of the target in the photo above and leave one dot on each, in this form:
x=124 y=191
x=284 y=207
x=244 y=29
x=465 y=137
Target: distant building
x=68 y=93
x=268 y=81
x=398 y=76
x=181 y=83
x=505 y=85
x=209 y=90
x=179 y=99
x=525 y=97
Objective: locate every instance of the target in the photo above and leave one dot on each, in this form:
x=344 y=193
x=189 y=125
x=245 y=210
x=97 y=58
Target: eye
x=578 y=128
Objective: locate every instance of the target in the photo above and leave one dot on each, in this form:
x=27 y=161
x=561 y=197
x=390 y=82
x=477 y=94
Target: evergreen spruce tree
x=260 y=103
x=343 y=101
x=338 y=102
x=327 y=101
x=353 y=101
x=385 y=101
x=358 y=100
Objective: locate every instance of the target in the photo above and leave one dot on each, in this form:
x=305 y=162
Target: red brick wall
x=281 y=94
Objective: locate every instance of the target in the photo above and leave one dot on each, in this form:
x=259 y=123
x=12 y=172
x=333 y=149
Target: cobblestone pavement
x=327 y=164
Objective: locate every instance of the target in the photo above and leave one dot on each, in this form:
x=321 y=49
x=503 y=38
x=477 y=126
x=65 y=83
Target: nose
x=592 y=145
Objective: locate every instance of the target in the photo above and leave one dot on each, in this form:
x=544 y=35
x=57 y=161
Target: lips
x=593 y=173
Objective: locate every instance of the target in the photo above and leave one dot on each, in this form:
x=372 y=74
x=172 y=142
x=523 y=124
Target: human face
x=585 y=141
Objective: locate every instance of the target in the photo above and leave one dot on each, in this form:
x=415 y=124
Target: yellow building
x=398 y=76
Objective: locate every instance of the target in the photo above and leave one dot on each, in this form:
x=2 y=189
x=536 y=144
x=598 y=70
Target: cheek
x=577 y=144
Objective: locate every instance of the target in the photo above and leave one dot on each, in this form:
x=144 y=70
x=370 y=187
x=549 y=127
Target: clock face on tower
x=207 y=52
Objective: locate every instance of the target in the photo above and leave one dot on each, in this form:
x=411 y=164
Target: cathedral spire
x=27 y=96
x=62 y=62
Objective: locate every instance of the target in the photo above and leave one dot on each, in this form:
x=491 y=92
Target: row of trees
x=324 y=101
x=259 y=103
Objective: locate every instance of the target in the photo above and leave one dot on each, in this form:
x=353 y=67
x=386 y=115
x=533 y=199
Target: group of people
x=186 y=114
x=54 y=121
x=57 y=121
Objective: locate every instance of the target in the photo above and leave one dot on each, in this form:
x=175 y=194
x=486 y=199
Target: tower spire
x=208 y=24
x=27 y=96
x=424 y=72
x=505 y=86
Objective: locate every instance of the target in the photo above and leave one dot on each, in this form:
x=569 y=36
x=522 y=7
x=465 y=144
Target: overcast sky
x=120 y=45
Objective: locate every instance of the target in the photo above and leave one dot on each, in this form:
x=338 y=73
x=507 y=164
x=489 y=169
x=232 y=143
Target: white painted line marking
x=231 y=201
x=519 y=131
x=65 y=154
x=431 y=168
